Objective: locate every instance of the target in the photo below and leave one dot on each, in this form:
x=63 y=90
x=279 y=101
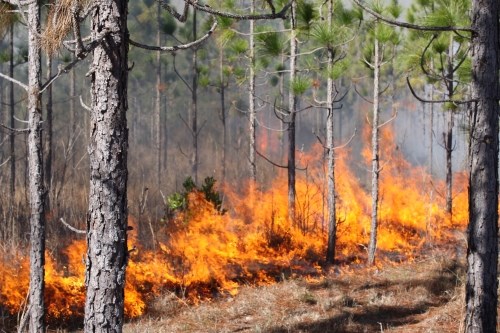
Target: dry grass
x=424 y=296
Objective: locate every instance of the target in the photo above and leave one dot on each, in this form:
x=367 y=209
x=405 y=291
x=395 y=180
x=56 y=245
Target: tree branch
x=206 y=8
x=176 y=47
x=78 y=231
x=11 y=79
x=410 y=25
x=436 y=101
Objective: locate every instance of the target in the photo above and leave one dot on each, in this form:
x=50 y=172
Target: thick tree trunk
x=482 y=252
x=107 y=215
x=35 y=176
x=251 y=99
x=292 y=105
x=330 y=125
x=375 y=157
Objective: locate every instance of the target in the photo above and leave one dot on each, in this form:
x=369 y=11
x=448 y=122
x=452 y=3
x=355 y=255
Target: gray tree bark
x=222 y=87
x=482 y=252
x=448 y=137
x=292 y=105
x=107 y=216
x=251 y=99
x=158 y=99
x=48 y=136
x=193 y=114
x=12 y=140
x=35 y=175
x=375 y=156
x=330 y=125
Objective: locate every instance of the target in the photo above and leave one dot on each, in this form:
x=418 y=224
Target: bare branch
x=15 y=130
x=78 y=231
x=410 y=25
x=85 y=106
x=436 y=101
x=11 y=79
x=348 y=141
x=394 y=115
x=206 y=8
x=180 y=17
x=176 y=47
x=268 y=160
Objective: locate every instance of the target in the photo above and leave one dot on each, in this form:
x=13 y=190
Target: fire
x=204 y=253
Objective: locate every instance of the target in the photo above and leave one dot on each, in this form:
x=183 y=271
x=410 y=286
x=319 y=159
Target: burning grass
x=203 y=254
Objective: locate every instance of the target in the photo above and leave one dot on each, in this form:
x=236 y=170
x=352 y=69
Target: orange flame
x=205 y=253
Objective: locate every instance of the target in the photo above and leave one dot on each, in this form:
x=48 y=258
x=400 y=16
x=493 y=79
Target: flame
x=203 y=253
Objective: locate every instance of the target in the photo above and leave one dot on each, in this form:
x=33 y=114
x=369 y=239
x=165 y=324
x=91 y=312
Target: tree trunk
x=482 y=251
x=375 y=157
x=12 y=140
x=292 y=104
x=158 y=100
x=48 y=137
x=448 y=140
x=222 y=88
x=251 y=99
x=72 y=115
x=35 y=182
x=330 y=125
x=107 y=216
x=194 y=107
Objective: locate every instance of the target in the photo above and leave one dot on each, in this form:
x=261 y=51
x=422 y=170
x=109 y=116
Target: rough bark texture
x=375 y=157
x=107 y=215
x=222 y=87
x=292 y=105
x=330 y=123
x=251 y=98
x=35 y=176
x=482 y=252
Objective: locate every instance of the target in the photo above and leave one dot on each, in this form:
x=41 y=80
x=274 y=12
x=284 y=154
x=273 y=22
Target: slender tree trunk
x=482 y=251
x=158 y=99
x=12 y=140
x=72 y=115
x=448 y=140
x=292 y=104
x=375 y=157
x=48 y=137
x=194 y=107
x=107 y=216
x=330 y=125
x=35 y=178
x=251 y=99
x=223 y=115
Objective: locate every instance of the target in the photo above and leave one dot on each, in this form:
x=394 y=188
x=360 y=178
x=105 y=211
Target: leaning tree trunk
x=35 y=175
x=330 y=125
x=251 y=99
x=107 y=216
x=292 y=105
x=482 y=251
x=375 y=157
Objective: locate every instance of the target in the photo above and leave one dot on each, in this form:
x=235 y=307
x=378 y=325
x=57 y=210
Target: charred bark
x=107 y=214
x=251 y=98
x=482 y=252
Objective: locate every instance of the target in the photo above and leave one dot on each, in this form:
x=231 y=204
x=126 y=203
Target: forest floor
x=425 y=295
